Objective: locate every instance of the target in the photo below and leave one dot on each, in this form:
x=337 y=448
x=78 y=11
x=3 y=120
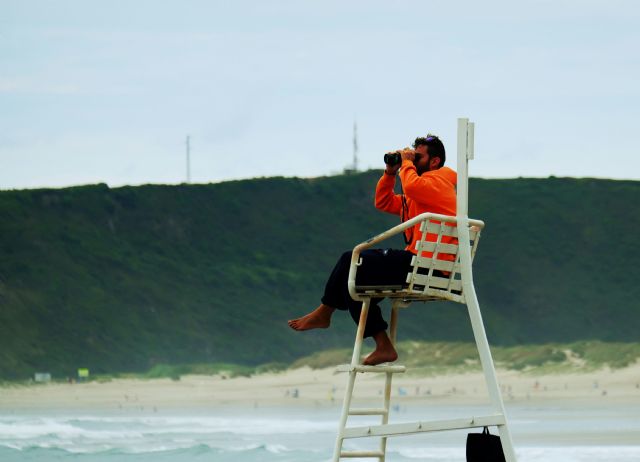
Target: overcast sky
x=107 y=91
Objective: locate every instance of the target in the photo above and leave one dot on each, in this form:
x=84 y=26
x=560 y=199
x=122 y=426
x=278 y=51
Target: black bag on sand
x=484 y=447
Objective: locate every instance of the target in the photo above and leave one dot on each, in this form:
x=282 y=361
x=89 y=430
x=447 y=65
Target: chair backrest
x=436 y=269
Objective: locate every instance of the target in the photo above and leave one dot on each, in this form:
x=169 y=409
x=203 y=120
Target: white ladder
x=457 y=287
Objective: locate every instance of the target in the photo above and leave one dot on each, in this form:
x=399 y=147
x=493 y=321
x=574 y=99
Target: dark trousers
x=379 y=267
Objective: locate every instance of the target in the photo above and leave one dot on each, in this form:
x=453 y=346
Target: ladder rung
x=362 y=368
x=368 y=411
x=361 y=454
x=422 y=427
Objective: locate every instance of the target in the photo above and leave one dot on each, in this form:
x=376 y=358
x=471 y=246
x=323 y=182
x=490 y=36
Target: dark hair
x=435 y=148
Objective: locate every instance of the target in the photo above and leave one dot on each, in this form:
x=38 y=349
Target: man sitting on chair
x=428 y=186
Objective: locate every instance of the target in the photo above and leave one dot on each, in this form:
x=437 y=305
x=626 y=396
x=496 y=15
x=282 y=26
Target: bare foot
x=379 y=357
x=384 y=352
x=320 y=318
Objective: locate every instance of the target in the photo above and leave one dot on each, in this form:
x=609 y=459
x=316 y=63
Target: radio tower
x=355 y=146
x=188 y=159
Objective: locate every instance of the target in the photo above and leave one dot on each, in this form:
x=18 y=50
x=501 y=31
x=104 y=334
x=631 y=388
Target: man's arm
x=386 y=199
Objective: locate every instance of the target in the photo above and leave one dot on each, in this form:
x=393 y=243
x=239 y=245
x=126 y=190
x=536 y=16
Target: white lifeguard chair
x=430 y=279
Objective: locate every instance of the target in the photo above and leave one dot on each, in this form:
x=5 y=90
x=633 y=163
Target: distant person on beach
x=428 y=186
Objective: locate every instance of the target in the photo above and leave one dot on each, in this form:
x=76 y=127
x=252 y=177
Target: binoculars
x=392 y=159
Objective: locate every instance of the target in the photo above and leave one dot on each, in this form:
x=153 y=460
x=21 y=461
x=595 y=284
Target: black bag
x=484 y=447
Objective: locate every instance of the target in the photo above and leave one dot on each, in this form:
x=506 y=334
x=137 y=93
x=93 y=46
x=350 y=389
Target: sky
x=107 y=92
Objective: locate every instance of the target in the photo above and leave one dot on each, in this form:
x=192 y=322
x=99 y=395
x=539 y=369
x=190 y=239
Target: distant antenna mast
x=355 y=146
x=188 y=160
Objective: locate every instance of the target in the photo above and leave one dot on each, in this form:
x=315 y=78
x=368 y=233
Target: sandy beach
x=323 y=388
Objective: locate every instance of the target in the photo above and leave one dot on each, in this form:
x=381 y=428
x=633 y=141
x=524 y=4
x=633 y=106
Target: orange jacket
x=433 y=191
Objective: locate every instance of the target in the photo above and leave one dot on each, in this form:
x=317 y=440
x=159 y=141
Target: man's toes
x=369 y=361
x=377 y=357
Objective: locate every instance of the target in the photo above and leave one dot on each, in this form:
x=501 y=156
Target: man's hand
x=392 y=169
x=408 y=154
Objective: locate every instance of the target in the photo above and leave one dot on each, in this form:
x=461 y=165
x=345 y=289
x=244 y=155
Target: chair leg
x=355 y=360
x=489 y=370
x=393 y=329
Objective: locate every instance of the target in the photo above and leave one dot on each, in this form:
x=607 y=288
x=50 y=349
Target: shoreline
x=322 y=388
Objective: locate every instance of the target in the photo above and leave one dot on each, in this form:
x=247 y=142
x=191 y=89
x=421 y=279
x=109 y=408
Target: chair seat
x=381 y=288
x=403 y=292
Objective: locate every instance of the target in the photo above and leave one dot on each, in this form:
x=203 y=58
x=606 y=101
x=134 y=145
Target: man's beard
x=426 y=168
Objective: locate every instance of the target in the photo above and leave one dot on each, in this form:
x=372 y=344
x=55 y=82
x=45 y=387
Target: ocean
x=550 y=433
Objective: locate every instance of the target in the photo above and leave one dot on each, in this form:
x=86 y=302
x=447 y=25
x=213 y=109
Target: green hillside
x=123 y=279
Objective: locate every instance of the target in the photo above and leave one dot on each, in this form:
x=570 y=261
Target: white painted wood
x=471 y=129
x=393 y=336
x=442 y=228
x=451 y=249
x=368 y=411
x=434 y=281
x=469 y=291
x=436 y=264
x=394 y=369
x=355 y=360
x=450 y=231
x=432 y=295
x=423 y=427
x=449 y=222
x=346 y=454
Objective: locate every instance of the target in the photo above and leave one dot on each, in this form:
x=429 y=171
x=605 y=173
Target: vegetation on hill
x=128 y=278
x=438 y=357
